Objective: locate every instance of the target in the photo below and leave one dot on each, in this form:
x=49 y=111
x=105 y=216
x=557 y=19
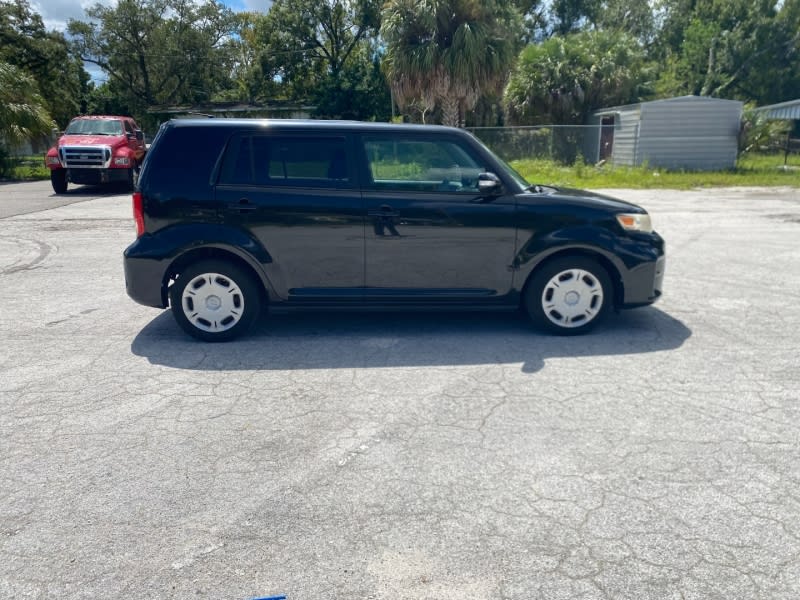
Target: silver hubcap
x=212 y=302
x=572 y=298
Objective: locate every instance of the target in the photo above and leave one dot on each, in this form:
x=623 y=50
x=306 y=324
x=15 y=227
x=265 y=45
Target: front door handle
x=242 y=206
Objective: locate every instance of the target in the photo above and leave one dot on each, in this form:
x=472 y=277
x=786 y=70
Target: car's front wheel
x=569 y=295
x=214 y=300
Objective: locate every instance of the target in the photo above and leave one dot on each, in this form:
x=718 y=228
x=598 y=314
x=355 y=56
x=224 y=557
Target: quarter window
x=421 y=165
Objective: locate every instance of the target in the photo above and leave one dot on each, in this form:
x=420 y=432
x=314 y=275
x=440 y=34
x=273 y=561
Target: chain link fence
x=564 y=144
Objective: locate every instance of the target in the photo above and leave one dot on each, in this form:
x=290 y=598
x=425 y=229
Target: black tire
x=569 y=295
x=58 y=177
x=215 y=300
x=132 y=179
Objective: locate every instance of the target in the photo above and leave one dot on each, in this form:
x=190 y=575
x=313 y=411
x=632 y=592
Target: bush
x=565 y=144
x=22 y=167
x=759 y=134
x=6 y=164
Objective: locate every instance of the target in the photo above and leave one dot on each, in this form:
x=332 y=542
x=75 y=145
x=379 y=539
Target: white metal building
x=789 y=111
x=695 y=133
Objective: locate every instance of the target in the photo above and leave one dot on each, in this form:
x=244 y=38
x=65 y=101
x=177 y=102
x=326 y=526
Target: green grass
x=751 y=170
x=26 y=168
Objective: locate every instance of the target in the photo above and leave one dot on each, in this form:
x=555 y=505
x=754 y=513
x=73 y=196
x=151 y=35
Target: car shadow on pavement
x=375 y=340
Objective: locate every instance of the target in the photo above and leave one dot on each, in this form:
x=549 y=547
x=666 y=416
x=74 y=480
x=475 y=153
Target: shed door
x=606 y=138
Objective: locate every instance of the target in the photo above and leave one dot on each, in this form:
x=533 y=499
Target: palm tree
x=448 y=52
x=22 y=110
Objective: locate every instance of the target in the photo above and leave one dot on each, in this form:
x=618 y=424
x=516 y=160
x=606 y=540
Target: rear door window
x=287 y=161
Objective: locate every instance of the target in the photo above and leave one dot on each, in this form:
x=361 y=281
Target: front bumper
x=643 y=284
x=97 y=176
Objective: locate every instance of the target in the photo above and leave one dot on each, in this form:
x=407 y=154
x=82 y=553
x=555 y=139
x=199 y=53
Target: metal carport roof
x=782 y=110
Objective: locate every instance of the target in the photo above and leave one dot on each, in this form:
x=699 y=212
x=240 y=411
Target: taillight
x=138 y=213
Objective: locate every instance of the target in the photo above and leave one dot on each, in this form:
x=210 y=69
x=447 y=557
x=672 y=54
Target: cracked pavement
x=398 y=456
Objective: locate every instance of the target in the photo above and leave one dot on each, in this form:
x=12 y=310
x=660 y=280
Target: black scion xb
x=234 y=215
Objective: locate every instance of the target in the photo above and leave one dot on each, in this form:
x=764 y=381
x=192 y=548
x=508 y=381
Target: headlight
x=122 y=160
x=52 y=160
x=635 y=222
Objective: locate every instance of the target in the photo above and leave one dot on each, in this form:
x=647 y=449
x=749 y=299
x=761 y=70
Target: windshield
x=512 y=172
x=94 y=127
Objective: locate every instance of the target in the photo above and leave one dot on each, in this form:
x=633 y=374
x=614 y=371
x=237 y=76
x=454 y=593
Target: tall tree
x=568 y=16
x=59 y=75
x=159 y=51
x=23 y=113
x=448 y=52
x=566 y=77
x=534 y=19
x=359 y=92
x=242 y=51
x=633 y=17
x=304 y=44
x=743 y=49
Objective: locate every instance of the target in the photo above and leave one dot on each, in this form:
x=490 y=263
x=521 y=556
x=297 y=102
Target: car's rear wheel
x=214 y=300
x=58 y=178
x=569 y=295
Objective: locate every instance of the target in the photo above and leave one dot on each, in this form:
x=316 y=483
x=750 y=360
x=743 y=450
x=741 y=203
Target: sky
x=56 y=13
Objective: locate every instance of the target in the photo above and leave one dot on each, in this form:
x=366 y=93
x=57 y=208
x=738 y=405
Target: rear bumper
x=144 y=279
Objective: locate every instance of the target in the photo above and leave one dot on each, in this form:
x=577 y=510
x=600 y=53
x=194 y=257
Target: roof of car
x=309 y=124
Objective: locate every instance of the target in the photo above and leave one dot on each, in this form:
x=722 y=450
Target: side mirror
x=139 y=135
x=489 y=184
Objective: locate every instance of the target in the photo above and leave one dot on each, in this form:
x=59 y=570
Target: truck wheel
x=214 y=300
x=133 y=179
x=58 y=177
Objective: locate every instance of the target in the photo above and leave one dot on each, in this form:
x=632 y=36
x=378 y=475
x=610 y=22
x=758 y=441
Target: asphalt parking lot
x=402 y=456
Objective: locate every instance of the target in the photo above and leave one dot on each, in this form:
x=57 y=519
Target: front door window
x=421 y=166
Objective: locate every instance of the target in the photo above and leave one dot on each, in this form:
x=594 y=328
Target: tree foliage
x=534 y=19
x=566 y=77
x=358 y=92
x=304 y=44
x=23 y=112
x=568 y=16
x=445 y=60
x=740 y=49
x=448 y=52
x=158 y=51
x=44 y=55
x=626 y=16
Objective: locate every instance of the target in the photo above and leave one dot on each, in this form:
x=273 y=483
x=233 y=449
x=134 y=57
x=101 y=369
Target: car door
x=296 y=194
x=130 y=136
x=137 y=142
x=430 y=234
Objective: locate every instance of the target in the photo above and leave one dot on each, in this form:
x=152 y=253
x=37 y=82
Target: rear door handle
x=242 y=206
x=383 y=211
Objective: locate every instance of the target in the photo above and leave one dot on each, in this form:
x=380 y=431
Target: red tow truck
x=96 y=150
